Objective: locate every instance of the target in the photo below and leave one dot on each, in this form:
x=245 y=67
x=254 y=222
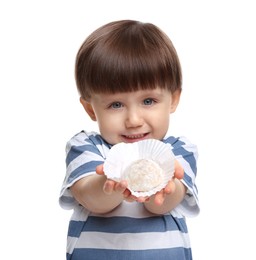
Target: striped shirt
x=129 y=231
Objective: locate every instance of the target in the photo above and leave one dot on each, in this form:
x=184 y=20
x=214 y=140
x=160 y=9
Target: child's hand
x=170 y=187
x=111 y=186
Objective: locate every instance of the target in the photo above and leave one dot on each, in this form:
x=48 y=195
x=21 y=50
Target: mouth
x=134 y=137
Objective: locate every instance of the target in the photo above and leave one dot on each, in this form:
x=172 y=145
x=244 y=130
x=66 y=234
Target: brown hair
x=125 y=56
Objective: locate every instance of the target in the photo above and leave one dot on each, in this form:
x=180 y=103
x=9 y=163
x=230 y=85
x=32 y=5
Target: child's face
x=132 y=116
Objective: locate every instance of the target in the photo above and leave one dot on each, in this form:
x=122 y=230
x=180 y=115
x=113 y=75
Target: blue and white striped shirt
x=129 y=231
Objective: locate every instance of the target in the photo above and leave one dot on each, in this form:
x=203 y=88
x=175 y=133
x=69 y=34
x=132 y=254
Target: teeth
x=134 y=136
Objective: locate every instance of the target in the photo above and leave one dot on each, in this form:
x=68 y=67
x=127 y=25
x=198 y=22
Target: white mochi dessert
x=143 y=175
x=147 y=165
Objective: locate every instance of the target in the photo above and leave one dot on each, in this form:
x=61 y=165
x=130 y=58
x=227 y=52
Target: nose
x=133 y=119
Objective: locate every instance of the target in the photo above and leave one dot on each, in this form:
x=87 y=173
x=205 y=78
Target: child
x=129 y=78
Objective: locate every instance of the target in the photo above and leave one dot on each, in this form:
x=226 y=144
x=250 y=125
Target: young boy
x=129 y=78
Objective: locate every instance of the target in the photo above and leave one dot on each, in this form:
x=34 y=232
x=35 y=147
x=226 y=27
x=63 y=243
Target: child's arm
x=98 y=195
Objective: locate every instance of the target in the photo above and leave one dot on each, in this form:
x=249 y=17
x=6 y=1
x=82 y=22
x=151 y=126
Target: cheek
x=160 y=116
x=160 y=122
x=110 y=129
x=108 y=123
x=163 y=121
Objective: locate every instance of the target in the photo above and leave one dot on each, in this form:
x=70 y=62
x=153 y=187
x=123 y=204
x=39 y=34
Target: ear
x=175 y=99
x=88 y=108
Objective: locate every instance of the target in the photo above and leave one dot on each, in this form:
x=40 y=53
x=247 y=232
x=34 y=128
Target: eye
x=116 y=105
x=148 y=101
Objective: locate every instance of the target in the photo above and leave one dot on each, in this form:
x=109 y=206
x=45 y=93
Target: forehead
x=157 y=92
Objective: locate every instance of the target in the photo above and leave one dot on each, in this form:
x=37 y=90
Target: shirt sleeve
x=186 y=153
x=82 y=157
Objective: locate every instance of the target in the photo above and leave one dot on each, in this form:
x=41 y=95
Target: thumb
x=179 y=171
x=99 y=169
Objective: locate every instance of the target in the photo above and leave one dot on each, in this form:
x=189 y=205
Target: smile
x=137 y=136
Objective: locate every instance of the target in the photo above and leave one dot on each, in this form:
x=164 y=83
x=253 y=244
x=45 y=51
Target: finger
x=159 y=198
x=130 y=199
x=128 y=196
x=108 y=186
x=170 y=187
x=142 y=199
x=179 y=171
x=126 y=193
x=99 y=169
x=121 y=186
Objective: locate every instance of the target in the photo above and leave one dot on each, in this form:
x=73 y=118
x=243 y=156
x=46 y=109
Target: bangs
x=127 y=58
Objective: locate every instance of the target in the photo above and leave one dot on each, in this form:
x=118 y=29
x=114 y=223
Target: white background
x=40 y=111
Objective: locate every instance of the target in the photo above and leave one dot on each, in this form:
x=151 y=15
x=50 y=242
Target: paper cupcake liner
x=146 y=165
